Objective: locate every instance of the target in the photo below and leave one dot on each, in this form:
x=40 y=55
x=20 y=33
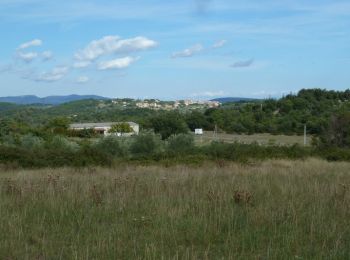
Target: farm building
x=104 y=128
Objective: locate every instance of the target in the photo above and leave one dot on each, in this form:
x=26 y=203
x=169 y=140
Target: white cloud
x=46 y=55
x=30 y=56
x=113 y=44
x=219 y=44
x=32 y=43
x=188 y=52
x=81 y=64
x=27 y=57
x=242 y=64
x=82 y=79
x=55 y=74
x=120 y=63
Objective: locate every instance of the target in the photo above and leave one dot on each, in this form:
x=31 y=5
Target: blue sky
x=196 y=49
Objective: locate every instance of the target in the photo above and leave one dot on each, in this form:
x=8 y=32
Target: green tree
x=197 y=119
x=168 y=124
x=338 y=131
x=180 y=144
x=58 y=125
x=121 y=128
x=145 y=145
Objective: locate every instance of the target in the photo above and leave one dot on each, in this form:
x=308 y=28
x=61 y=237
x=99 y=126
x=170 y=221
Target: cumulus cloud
x=119 y=63
x=113 y=45
x=82 y=79
x=32 y=43
x=189 y=52
x=219 y=44
x=55 y=74
x=27 y=57
x=243 y=64
x=46 y=55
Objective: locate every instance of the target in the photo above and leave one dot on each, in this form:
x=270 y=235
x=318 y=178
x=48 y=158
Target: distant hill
x=50 y=100
x=234 y=99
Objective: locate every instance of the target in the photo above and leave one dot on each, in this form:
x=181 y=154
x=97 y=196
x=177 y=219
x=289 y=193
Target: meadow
x=273 y=209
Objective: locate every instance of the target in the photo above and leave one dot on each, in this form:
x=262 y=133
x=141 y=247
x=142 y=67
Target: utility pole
x=305 y=140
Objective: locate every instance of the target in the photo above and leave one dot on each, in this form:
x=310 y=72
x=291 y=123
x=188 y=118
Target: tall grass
x=268 y=210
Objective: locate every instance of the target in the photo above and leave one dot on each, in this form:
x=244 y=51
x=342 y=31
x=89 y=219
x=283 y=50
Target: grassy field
x=264 y=139
x=267 y=210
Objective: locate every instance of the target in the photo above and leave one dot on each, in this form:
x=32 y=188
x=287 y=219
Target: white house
x=103 y=128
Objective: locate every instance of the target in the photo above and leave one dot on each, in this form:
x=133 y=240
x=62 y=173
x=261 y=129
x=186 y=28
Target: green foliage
x=338 y=131
x=168 y=124
x=32 y=151
x=58 y=125
x=287 y=115
x=84 y=133
x=180 y=144
x=61 y=143
x=197 y=119
x=30 y=141
x=11 y=140
x=121 y=128
x=112 y=146
x=10 y=127
x=25 y=128
x=146 y=145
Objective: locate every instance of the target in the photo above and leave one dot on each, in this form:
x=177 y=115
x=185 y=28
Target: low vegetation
x=266 y=210
x=30 y=151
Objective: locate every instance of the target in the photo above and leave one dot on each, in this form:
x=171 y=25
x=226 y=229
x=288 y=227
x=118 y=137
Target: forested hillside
x=287 y=115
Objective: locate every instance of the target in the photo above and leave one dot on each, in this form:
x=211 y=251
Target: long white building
x=103 y=128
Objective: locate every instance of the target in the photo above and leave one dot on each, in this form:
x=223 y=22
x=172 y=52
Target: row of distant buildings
x=157 y=104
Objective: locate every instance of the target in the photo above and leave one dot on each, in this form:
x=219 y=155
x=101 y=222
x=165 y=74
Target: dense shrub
x=30 y=141
x=112 y=146
x=84 y=133
x=334 y=154
x=146 y=146
x=180 y=144
x=62 y=144
x=88 y=155
x=34 y=152
x=337 y=133
x=10 y=140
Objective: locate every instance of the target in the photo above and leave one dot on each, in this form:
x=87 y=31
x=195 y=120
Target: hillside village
x=157 y=104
